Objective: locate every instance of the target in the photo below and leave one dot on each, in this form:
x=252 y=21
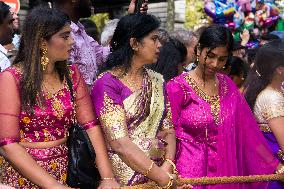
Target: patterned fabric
x=140 y=115
x=49 y=123
x=53 y=160
x=216 y=135
x=87 y=53
x=269 y=104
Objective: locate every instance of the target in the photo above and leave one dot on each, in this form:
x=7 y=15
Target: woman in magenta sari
x=215 y=129
x=36 y=110
x=131 y=104
x=266 y=97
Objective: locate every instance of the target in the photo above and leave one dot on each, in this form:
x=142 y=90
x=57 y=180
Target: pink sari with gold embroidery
x=217 y=135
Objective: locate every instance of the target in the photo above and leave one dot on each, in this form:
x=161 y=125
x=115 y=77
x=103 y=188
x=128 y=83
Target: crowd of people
x=156 y=105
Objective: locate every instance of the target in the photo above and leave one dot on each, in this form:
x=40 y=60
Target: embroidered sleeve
x=167 y=122
x=272 y=105
x=109 y=108
x=112 y=117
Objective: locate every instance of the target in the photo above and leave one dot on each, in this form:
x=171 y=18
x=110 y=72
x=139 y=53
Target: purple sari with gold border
x=139 y=115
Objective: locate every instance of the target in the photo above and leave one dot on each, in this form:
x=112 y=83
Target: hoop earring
x=44 y=60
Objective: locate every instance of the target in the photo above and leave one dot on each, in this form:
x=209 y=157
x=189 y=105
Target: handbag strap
x=71 y=89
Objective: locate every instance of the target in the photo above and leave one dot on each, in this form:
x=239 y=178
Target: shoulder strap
x=70 y=85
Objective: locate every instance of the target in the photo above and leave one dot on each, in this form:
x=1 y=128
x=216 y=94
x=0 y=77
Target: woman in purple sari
x=132 y=107
x=266 y=97
x=215 y=129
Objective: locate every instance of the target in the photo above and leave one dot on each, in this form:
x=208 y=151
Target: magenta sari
x=217 y=135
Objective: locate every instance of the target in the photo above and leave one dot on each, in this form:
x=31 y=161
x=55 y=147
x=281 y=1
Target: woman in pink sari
x=36 y=110
x=215 y=129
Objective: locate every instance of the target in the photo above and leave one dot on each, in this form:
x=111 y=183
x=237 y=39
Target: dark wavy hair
x=130 y=26
x=172 y=54
x=41 y=23
x=212 y=37
x=215 y=36
x=268 y=58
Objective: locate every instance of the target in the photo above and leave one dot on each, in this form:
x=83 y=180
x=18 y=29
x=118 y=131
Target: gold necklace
x=199 y=79
x=132 y=84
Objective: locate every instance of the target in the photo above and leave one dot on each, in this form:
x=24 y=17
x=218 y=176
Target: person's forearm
x=27 y=166
x=102 y=160
x=171 y=147
x=137 y=160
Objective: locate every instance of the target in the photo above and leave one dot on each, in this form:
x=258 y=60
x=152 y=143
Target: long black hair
x=130 y=26
x=268 y=58
x=41 y=23
x=172 y=55
x=212 y=37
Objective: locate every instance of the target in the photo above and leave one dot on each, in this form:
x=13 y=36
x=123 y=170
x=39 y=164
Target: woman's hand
x=144 y=8
x=109 y=184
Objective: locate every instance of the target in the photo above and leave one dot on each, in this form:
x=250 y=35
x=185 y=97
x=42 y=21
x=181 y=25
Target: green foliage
x=100 y=20
x=194 y=14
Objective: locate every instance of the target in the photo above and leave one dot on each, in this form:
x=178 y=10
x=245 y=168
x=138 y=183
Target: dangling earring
x=44 y=60
x=197 y=59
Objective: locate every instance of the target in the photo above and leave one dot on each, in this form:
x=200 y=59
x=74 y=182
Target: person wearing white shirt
x=4 y=61
x=6 y=33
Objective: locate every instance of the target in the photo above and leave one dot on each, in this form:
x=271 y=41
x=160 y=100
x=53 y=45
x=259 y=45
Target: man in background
x=6 y=34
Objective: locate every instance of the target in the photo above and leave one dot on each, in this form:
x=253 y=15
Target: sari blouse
x=139 y=115
x=50 y=121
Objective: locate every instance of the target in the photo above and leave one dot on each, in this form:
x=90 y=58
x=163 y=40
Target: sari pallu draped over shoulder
x=232 y=146
x=140 y=115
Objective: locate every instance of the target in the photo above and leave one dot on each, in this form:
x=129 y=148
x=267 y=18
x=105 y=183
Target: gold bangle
x=170 y=183
x=172 y=164
x=107 y=178
x=280 y=170
x=149 y=169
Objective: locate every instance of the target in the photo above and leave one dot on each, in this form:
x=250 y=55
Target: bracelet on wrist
x=172 y=164
x=107 y=178
x=170 y=183
x=149 y=169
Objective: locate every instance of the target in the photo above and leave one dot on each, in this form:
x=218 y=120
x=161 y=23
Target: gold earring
x=44 y=60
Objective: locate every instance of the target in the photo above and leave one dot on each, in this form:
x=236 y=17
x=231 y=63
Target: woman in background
x=265 y=95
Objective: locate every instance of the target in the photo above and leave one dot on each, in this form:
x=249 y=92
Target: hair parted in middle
x=137 y=25
x=40 y=24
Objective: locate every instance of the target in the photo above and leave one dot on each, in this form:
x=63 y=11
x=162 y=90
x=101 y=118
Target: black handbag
x=81 y=170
